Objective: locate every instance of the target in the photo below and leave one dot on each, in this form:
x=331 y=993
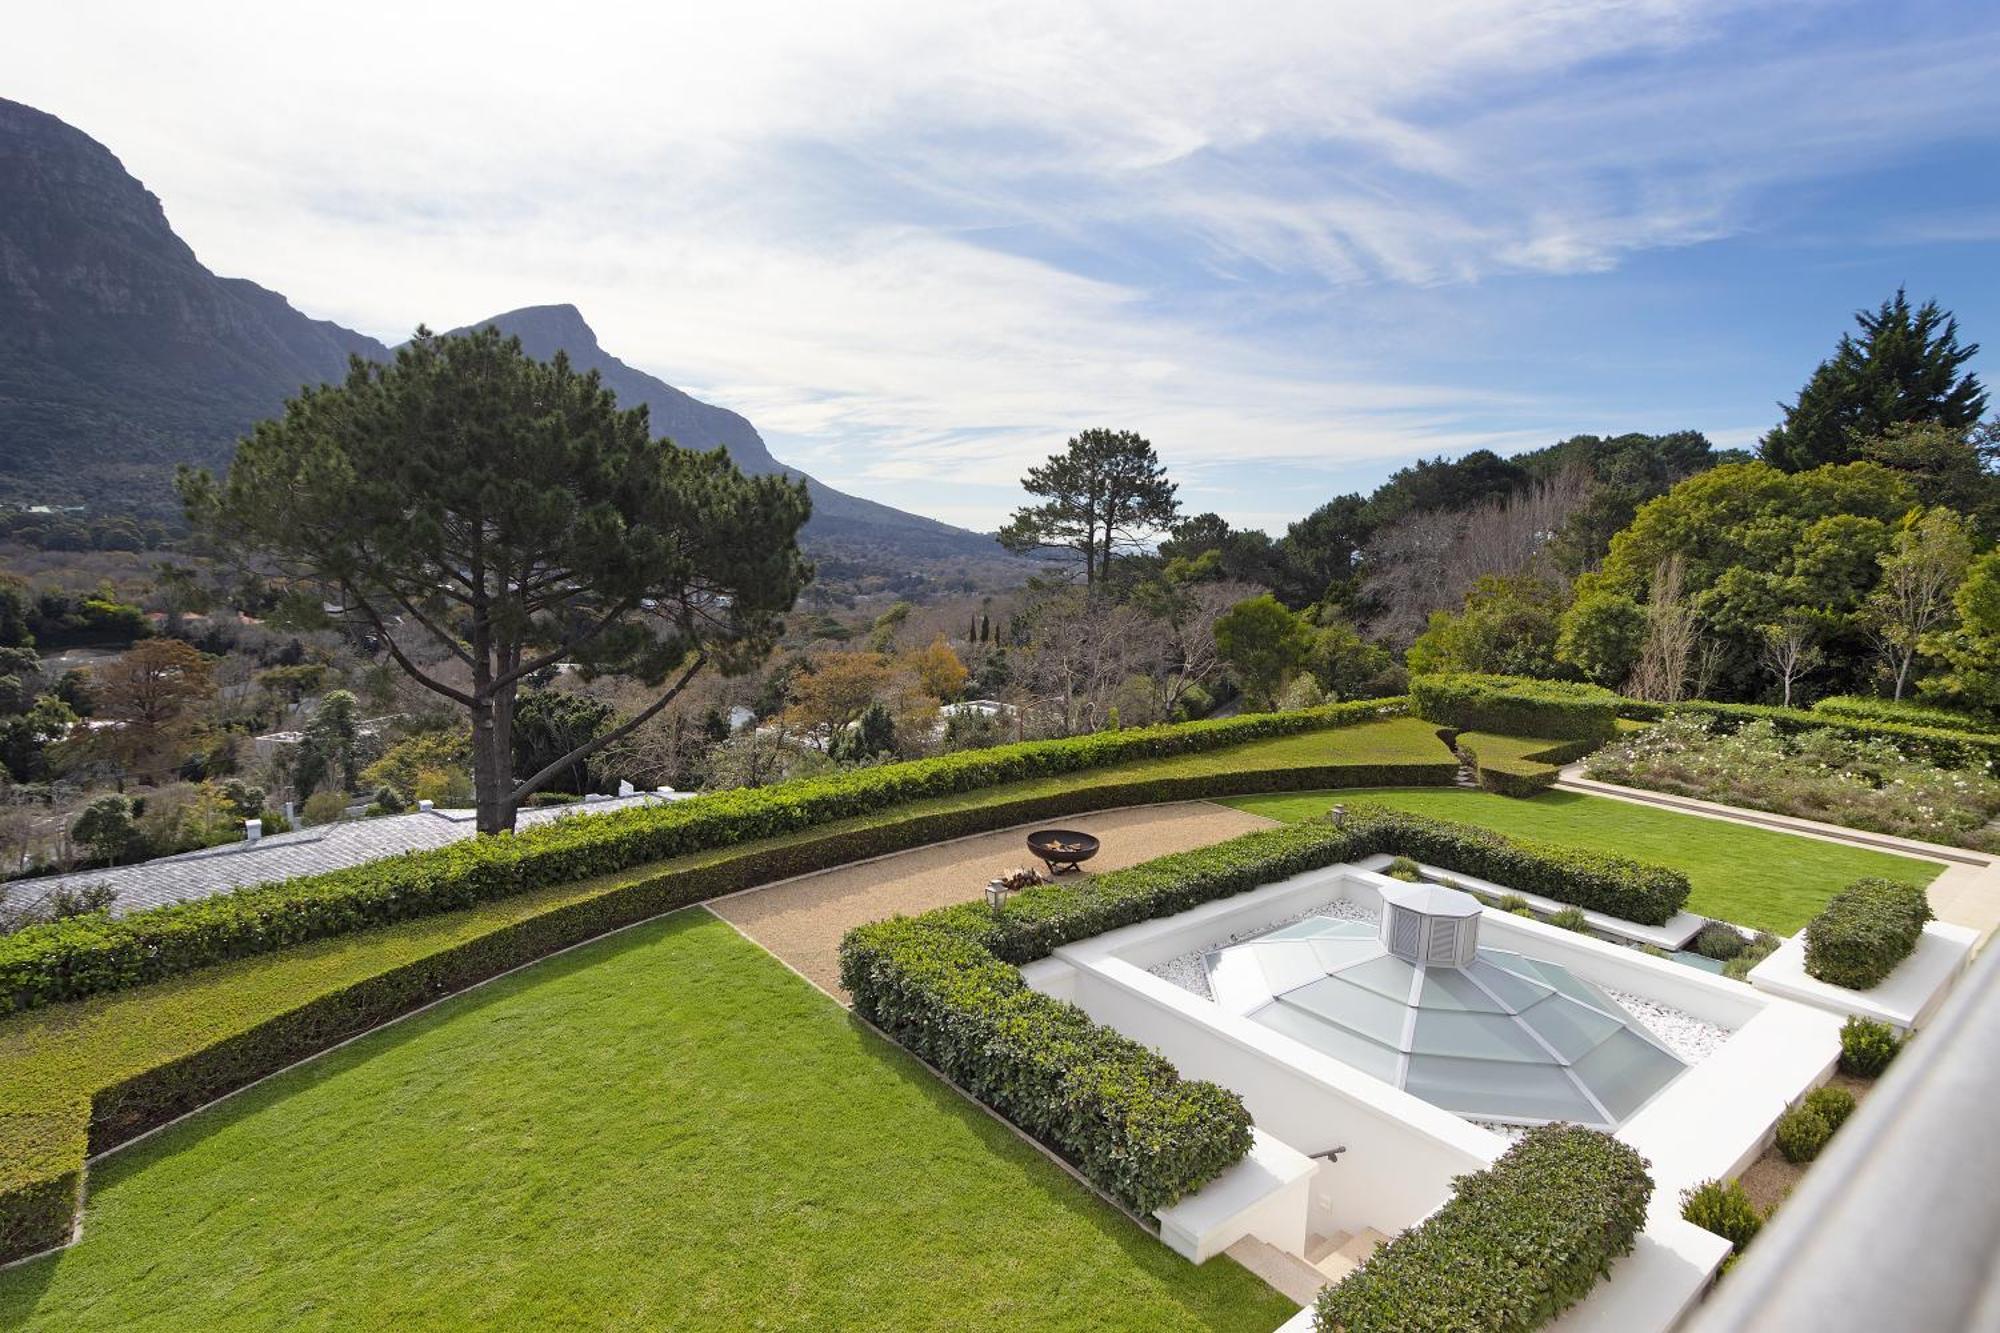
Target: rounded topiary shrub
x=1868 y=928
x=1724 y=1209
x=1802 y=1132
x=1867 y=1047
x=1833 y=1105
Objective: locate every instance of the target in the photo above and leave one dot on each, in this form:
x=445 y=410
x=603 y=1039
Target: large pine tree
x=1907 y=366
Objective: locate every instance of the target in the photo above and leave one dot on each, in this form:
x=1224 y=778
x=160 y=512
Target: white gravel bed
x=1691 y=1038
x=1187 y=971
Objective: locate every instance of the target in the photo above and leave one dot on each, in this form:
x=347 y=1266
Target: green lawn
x=1753 y=877
x=664 y=1128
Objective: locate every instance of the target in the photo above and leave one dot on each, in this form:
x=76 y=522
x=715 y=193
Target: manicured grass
x=54 y=1061
x=1753 y=877
x=662 y=1129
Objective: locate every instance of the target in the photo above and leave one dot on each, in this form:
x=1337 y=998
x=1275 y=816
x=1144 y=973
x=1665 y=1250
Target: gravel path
x=802 y=920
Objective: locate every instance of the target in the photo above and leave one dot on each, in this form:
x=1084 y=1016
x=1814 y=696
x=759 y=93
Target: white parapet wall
x=1265 y=1196
x=1905 y=999
x=1398 y=1153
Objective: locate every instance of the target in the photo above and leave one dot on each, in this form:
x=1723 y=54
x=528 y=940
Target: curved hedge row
x=85 y=955
x=1867 y=928
x=43 y=1146
x=1863 y=708
x=1517 y=706
x=1516 y=1245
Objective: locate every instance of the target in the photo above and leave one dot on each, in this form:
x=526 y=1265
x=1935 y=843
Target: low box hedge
x=1515 y=1246
x=945 y=985
x=1865 y=931
x=1863 y=708
x=96 y=1103
x=1934 y=745
x=1119 y=1112
x=85 y=955
x=1517 y=706
x=1508 y=767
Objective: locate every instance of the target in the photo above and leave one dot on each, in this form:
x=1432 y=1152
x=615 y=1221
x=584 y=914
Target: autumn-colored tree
x=154 y=691
x=939 y=672
x=835 y=690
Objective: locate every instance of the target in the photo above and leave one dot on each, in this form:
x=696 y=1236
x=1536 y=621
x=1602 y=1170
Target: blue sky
x=1295 y=244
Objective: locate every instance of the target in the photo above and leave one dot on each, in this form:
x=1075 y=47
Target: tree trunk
x=1902 y=673
x=493 y=764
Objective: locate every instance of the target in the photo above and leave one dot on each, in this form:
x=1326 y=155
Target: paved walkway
x=802 y=920
x=1967 y=893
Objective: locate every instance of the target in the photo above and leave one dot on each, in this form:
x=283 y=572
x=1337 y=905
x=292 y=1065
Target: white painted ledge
x=1678 y=930
x=1905 y=999
x=1265 y=1195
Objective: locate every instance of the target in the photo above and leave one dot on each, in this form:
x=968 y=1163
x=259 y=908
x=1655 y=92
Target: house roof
x=307 y=851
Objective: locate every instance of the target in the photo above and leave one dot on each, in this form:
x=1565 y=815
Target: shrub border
x=945 y=985
x=1865 y=932
x=42 y=1184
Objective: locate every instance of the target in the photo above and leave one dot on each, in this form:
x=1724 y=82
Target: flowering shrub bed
x=1861 y=782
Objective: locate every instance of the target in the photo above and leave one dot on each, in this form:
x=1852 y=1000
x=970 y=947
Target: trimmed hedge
x=1862 y=708
x=1518 y=706
x=1868 y=928
x=1120 y=1113
x=1724 y=1209
x=42 y=1150
x=1515 y=1246
x=85 y=955
x=1519 y=773
x=1934 y=745
x=945 y=985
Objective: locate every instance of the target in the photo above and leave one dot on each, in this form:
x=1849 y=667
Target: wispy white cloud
x=920 y=244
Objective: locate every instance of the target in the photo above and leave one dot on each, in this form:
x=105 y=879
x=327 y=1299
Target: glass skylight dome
x=1485 y=1033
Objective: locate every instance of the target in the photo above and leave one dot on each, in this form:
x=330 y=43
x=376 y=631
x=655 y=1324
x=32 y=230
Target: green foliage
x=1756 y=951
x=1723 y=1209
x=1868 y=928
x=1104 y=493
x=106 y=827
x=1867 y=1047
x=1517 y=706
x=1971 y=651
x=1110 y=1105
x=1719 y=941
x=1756 y=547
x=1974 y=750
x=1571 y=918
x=1802 y=1132
x=1405 y=869
x=409 y=759
x=1508 y=627
x=323 y=807
x=1905 y=712
x=1262 y=643
x=1348 y=666
x=1601 y=636
x=45 y=964
x=1907 y=366
x=872 y=736
x=327 y=753
x=549 y=725
x=1832 y=1104
x=592 y=541
x=1515 y=1246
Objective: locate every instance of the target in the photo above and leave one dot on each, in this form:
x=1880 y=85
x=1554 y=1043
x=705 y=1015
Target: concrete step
x=1287 y=1274
x=1362 y=1244
x=1318 y=1246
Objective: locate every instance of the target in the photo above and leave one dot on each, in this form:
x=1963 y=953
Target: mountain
x=838 y=518
x=122 y=356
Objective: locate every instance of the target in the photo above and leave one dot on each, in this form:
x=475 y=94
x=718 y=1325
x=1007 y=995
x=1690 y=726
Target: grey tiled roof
x=308 y=851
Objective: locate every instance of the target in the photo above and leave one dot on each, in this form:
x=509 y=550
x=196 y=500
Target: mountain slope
x=120 y=354
x=837 y=517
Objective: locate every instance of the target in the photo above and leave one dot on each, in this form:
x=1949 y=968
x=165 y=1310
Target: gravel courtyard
x=802 y=920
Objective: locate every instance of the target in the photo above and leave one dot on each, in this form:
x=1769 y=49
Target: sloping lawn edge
x=45 y=1143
